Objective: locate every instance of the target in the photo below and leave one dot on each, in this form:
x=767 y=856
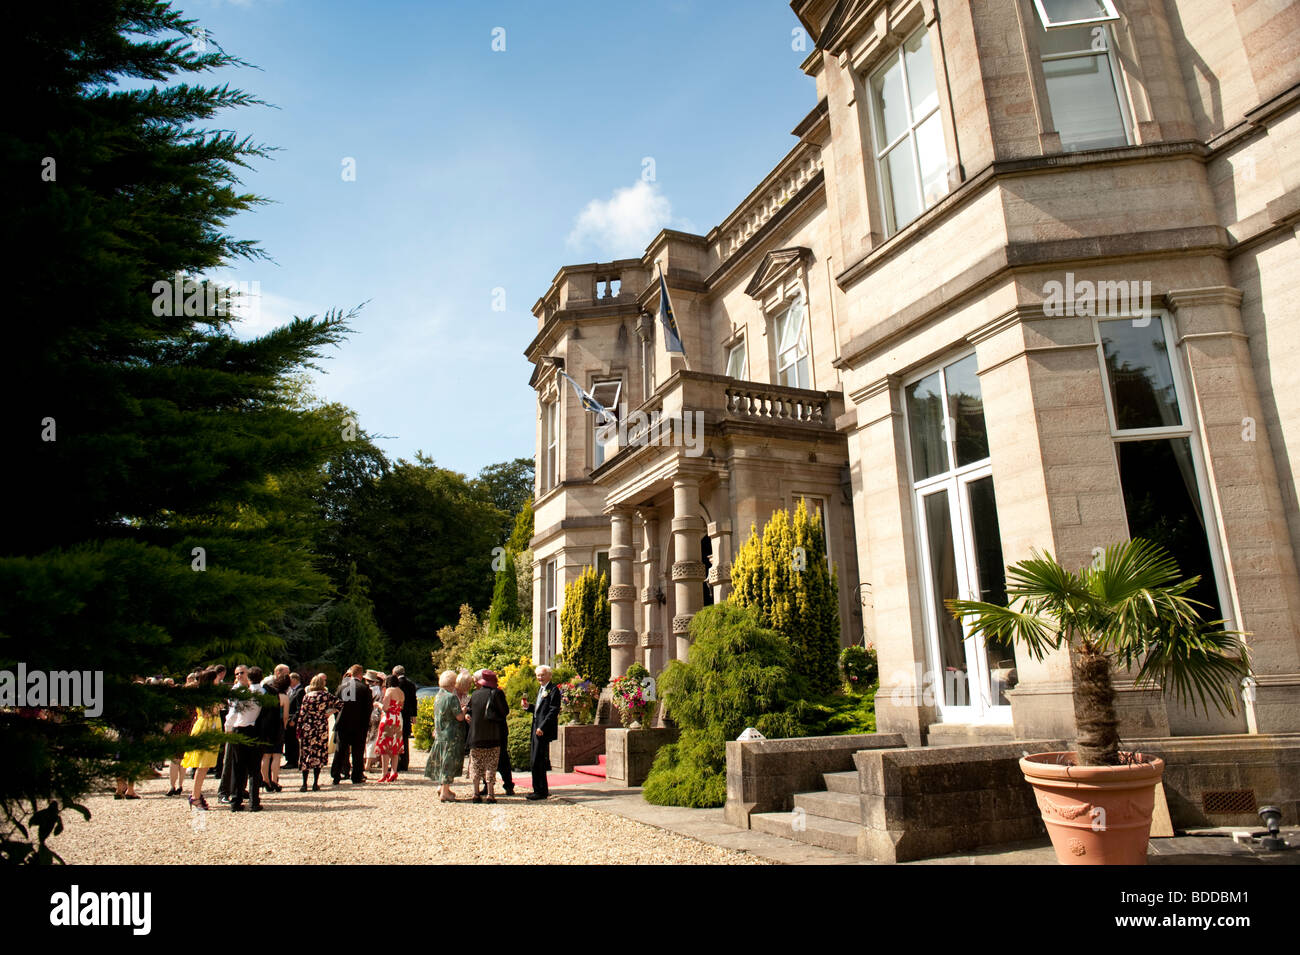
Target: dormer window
x=604 y=435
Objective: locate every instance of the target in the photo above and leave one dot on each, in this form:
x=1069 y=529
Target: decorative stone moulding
x=647 y=595
x=622 y=592
x=720 y=575
x=622 y=638
x=688 y=570
x=682 y=623
x=652 y=638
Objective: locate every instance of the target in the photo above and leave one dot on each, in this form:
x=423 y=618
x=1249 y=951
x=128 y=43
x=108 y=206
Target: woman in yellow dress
x=201 y=760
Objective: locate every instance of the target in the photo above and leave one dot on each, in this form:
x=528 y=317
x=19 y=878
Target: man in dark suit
x=410 y=707
x=352 y=725
x=546 y=727
x=291 y=728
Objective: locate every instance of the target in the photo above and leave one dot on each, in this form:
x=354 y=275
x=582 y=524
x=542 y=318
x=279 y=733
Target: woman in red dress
x=388 y=747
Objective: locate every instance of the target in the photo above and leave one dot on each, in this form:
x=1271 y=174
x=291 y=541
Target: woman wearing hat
x=487 y=734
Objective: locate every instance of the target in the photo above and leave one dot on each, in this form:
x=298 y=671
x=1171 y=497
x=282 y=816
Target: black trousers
x=351 y=751
x=248 y=768
x=228 y=759
x=291 y=746
x=539 y=762
x=404 y=761
x=503 y=767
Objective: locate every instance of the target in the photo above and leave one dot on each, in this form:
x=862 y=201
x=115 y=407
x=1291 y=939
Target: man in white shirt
x=248 y=752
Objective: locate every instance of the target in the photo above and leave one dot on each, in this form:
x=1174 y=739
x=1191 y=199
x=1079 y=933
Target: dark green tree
x=354 y=637
x=505 y=596
x=154 y=452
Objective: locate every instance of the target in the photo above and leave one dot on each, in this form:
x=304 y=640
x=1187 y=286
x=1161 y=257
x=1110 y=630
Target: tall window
x=551 y=601
x=792 y=365
x=550 y=444
x=959 y=538
x=604 y=434
x=1159 y=469
x=910 y=156
x=737 y=365
x=1082 y=75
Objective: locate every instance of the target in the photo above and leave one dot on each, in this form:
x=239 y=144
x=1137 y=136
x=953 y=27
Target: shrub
x=691 y=772
x=783 y=573
x=738 y=674
x=519 y=725
x=584 y=626
x=422 y=728
x=455 y=640
x=497 y=650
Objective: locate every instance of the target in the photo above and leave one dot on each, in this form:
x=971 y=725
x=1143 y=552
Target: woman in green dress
x=448 y=752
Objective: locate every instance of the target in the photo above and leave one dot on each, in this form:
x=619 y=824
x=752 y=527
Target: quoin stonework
x=881 y=328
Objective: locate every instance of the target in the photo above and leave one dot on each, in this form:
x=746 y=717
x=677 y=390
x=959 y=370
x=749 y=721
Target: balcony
x=705 y=407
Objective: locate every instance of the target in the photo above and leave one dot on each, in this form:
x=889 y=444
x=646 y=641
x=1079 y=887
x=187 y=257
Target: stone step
x=960 y=734
x=598 y=770
x=846 y=807
x=813 y=830
x=842 y=782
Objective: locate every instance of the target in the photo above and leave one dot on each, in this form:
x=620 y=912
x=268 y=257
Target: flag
x=588 y=402
x=672 y=336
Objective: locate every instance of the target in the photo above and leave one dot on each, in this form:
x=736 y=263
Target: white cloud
x=624 y=223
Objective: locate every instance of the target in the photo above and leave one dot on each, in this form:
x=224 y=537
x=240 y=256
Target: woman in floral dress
x=448 y=752
x=388 y=745
x=314 y=730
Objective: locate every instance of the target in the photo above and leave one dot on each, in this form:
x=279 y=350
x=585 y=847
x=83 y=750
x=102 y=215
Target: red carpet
x=523 y=780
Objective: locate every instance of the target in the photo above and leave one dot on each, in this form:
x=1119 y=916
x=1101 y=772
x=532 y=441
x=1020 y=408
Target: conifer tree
x=783 y=573
x=505 y=597
x=154 y=453
x=584 y=626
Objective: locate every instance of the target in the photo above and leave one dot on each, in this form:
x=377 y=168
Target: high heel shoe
x=302 y=788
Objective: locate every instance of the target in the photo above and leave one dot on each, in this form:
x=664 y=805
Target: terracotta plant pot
x=1096 y=815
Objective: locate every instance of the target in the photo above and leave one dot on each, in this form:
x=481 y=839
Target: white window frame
x=551 y=612
x=1188 y=429
x=954 y=481
x=1107 y=35
x=550 y=444
x=739 y=346
x=802 y=334
x=1109 y=14
x=881 y=149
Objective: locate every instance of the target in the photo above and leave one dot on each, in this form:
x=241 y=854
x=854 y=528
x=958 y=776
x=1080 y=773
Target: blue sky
x=478 y=170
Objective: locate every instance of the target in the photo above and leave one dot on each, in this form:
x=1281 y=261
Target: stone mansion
x=1026 y=280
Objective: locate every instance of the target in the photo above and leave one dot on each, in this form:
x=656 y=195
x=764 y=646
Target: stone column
x=688 y=569
x=1263 y=585
x=720 y=540
x=622 y=594
x=652 y=637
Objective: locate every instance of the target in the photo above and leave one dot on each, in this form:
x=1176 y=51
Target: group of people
x=373 y=716
x=368 y=719
x=470 y=715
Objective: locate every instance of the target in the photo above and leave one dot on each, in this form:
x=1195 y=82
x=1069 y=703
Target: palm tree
x=1128 y=607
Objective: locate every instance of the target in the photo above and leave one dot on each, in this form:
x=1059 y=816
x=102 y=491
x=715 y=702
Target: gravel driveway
x=402 y=822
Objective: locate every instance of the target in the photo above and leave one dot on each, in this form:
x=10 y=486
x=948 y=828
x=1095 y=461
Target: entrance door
x=959 y=542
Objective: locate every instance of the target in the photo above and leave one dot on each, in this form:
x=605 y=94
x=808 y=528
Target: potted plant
x=631 y=697
x=579 y=700
x=1129 y=608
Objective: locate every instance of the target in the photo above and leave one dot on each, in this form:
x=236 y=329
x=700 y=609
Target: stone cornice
x=1210 y=295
